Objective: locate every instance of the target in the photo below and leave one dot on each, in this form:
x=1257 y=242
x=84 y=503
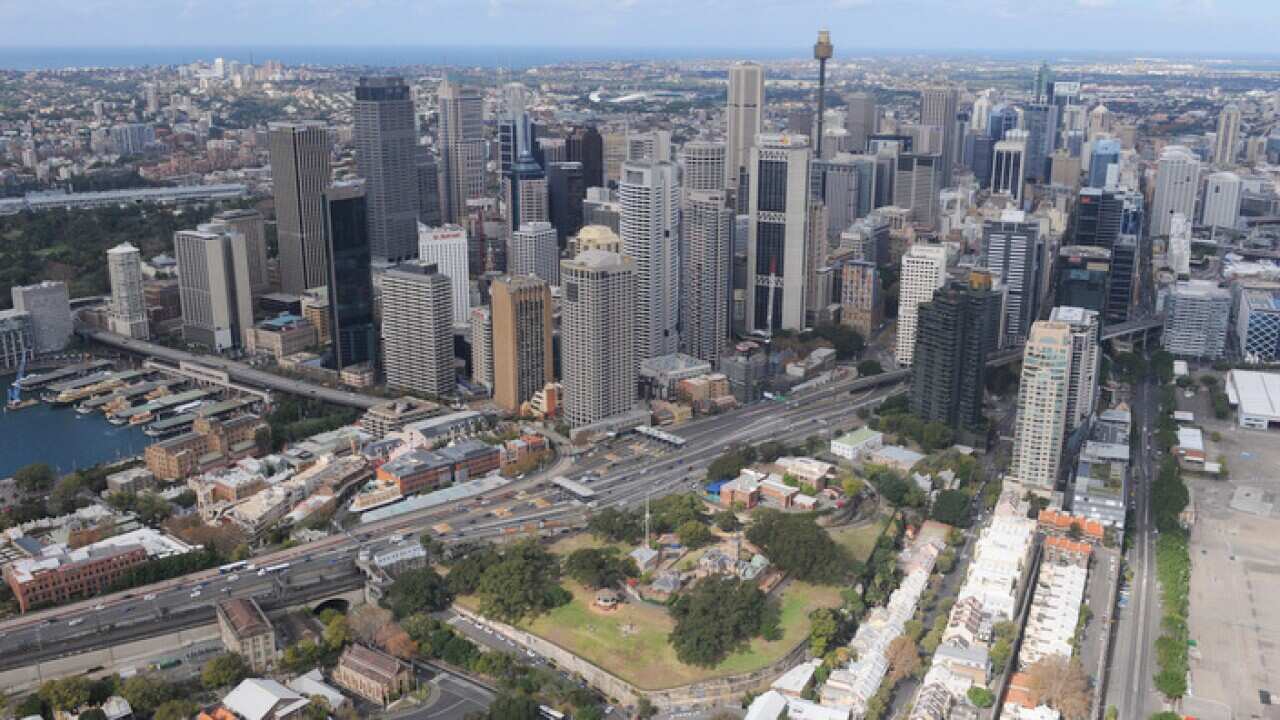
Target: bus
x=274 y=568
x=233 y=567
x=549 y=713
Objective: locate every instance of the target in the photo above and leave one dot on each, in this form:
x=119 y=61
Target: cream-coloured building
x=247 y=632
x=924 y=270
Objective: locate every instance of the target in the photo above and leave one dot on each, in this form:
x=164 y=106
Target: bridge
x=1131 y=328
x=236 y=371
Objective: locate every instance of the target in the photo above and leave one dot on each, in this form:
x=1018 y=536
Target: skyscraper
x=778 y=233
x=386 y=157
x=446 y=248
x=585 y=145
x=649 y=197
x=703 y=165
x=597 y=333
x=1105 y=153
x=858 y=293
x=213 y=287
x=1177 y=183
x=1041 y=124
x=566 y=189
x=1086 y=359
x=417 y=330
x=924 y=270
x=522 y=360
x=744 y=113
x=1009 y=165
x=533 y=251
x=706 y=228
x=249 y=222
x=861 y=119
x=462 y=149
x=428 y=166
x=128 y=315
x=1040 y=426
x=1197 y=316
x=355 y=334
x=652 y=146
x=917 y=181
x=956 y=331
x=1222 y=192
x=1224 y=148
x=524 y=184
x=49 y=306
x=846 y=186
x=482 y=346
x=1082 y=278
x=938 y=108
x=1012 y=248
x=300 y=175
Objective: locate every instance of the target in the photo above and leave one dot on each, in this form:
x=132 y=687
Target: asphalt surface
x=163 y=607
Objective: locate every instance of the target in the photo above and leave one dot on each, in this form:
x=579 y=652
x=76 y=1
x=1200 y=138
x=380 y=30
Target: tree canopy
x=795 y=543
x=717 y=616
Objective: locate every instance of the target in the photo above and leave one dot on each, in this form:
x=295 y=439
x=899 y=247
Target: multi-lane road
x=173 y=604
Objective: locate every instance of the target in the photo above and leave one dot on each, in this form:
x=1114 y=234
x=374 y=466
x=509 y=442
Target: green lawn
x=860 y=540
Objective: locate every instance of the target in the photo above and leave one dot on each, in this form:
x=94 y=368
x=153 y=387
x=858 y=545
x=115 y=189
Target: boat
x=20 y=404
x=141 y=418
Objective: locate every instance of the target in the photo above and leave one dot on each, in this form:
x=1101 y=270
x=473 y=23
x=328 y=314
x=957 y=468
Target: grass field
x=631 y=642
x=860 y=540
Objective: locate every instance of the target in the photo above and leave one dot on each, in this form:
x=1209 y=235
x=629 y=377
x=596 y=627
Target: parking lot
x=1235 y=578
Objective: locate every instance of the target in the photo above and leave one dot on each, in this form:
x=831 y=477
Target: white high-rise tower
x=128 y=306
x=924 y=270
x=744 y=112
x=649 y=199
x=1177 y=183
x=1224 y=148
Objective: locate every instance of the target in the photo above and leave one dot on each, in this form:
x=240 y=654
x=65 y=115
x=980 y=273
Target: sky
x=1194 y=27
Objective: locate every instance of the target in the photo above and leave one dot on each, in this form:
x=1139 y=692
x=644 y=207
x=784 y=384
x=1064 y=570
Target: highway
x=171 y=605
x=238 y=371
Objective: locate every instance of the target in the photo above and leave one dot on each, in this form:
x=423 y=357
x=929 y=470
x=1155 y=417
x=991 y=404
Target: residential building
x=17 y=338
x=247 y=632
x=858 y=293
x=1221 y=208
x=417 y=330
x=702 y=166
x=955 y=332
x=214 y=286
x=446 y=248
x=1197 y=317
x=521 y=340
x=597 y=336
x=649 y=195
x=392 y=416
x=1177 y=184
x=778 y=240
x=252 y=225
x=300 y=175
x=924 y=270
x=1086 y=357
x=1228 y=137
x=50 y=309
x=1013 y=249
x=259 y=699
x=281 y=336
x=534 y=251
x=128 y=313
x=210 y=444
x=482 y=347
x=1040 y=427
x=706 y=228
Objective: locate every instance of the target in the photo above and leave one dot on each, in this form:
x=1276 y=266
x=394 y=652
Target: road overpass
x=237 y=371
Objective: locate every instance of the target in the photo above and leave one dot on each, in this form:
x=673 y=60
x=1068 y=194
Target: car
x=99 y=606
x=149 y=596
x=233 y=578
x=195 y=593
x=75 y=622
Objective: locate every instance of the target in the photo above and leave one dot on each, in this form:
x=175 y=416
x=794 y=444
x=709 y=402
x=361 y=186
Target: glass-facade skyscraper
x=350 y=281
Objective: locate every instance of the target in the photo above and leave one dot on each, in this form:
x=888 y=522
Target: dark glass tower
x=566 y=189
x=955 y=333
x=386 y=157
x=585 y=145
x=350 y=281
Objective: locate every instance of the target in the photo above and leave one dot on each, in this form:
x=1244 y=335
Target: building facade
x=777 y=241
x=597 y=335
x=1040 y=427
x=706 y=228
x=649 y=195
x=299 y=177
x=522 y=359
x=924 y=270
x=386 y=157
x=417 y=330
x=128 y=314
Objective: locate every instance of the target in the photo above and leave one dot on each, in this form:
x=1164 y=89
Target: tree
x=1001 y=650
x=364 y=621
x=146 y=693
x=92 y=714
x=34 y=478
x=951 y=507
x=936 y=436
x=396 y=641
x=418 y=590
x=224 y=670
x=618 y=526
x=180 y=709
x=1061 y=684
x=645 y=709
x=727 y=520
x=903 y=659
x=867 y=368
x=694 y=534
x=513 y=706
x=151 y=508
x=796 y=544
x=62 y=498
x=824 y=627
x=600 y=567
x=317 y=709
x=524 y=582
x=981 y=697
x=66 y=693
x=336 y=633
x=716 y=616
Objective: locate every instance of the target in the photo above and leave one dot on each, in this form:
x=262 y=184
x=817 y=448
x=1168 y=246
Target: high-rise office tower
x=49 y=306
x=386 y=157
x=1082 y=275
x=924 y=270
x=128 y=315
x=585 y=145
x=354 y=331
x=744 y=113
x=868 y=239
x=300 y=175
x=861 y=119
x=213 y=287
x=702 y=163
x=777 y=243
x=1013 y=249
x=1105 y=153
x=1222 y=200
x=1177 y=183
x=705 y=228
x=1197 y=317
x=566 y=190
x=1040 y=122
x=522 y=360
x=857 y=290
x=428 y=167
x=446 y=248
x=649 y=197
x=1040 y=427
x=1086 y=359
x=597 y=336
x=1099 y=121
x=524 y=189
x=417 y=330
x=152 y=94
x=462 y=149
x=614 y=149
x=1009 y=165
x=844 y=183
x=956 y=331
x=250 y=224
x=533 y=250
x=1224 y=148
x=917 y=181
x=652 y=146
x=1043 y=92
x=482 y=346
x=938 y=107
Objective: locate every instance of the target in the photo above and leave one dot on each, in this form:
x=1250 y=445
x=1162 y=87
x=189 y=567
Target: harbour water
x=61 y=437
